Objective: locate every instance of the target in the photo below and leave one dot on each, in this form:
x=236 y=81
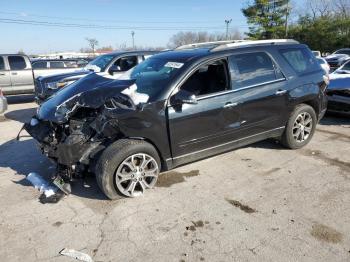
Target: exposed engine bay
x=78 y=129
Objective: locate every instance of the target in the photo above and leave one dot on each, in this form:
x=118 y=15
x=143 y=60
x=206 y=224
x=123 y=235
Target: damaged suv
x=178 y=107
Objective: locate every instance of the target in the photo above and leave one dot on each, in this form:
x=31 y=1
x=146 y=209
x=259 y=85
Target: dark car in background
x=178 y=107
x=338 y=58
x=108 y=65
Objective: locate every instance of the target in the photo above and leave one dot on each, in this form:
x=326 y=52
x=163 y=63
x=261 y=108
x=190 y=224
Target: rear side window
x=17 y=62
x=39 y=65
x=253 y=69
x=2 y=63
x=57 y=64
x=301 y=60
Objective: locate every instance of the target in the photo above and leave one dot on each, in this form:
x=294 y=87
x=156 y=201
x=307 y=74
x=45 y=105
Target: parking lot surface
x=258 y=203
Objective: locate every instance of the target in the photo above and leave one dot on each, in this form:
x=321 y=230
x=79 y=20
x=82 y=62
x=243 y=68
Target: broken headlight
x=61 y=112
x=55 y=85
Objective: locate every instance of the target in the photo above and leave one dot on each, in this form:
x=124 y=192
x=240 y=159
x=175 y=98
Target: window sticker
x=174 y=65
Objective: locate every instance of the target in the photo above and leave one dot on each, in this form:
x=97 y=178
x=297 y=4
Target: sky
x=67 y=23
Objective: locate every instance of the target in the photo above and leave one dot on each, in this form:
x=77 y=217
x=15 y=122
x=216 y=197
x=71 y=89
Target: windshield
x=346 y=66
x=153 y=75
x=343 y=51
x=321 y=61
x=101 y=61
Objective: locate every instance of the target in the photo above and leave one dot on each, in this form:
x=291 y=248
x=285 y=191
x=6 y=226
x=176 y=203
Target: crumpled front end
x=72 y=144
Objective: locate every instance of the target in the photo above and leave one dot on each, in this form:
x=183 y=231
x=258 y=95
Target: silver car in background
x=16 y=74
x=325 y=66
x=3 y=102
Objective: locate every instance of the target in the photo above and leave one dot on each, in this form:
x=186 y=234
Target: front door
x=21 y=71
x=212 y=121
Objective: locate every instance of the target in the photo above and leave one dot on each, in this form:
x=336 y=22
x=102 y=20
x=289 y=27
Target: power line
x=95 y=26
x=112 y=21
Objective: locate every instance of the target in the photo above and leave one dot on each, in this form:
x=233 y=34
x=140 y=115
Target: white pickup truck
x=17 y=73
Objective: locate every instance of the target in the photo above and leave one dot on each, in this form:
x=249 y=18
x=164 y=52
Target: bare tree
x=92 y=43
x=319 y=8
x=185 y=38
x=342 y=7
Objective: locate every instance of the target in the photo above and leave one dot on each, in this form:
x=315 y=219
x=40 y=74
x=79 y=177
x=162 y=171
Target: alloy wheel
x=135 y=174
x=302 y=127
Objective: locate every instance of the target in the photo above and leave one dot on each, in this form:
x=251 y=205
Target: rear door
x=261 y=87
x=21 y=71
x=5 y=78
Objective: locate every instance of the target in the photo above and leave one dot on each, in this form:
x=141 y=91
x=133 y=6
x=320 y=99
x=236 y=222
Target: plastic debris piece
x=41 y=184
x=61 y=184
x=76 y=254
x=52 y=199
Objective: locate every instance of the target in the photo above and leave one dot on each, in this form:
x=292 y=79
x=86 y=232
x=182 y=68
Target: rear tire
x=300 y=127
x=115 y=172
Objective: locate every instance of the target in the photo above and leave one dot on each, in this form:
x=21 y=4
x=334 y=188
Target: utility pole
x=133 y=39
x=228 y=22
x=287 y=16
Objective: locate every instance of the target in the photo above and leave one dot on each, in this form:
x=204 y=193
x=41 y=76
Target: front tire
x=300 y=127
x=126 y=168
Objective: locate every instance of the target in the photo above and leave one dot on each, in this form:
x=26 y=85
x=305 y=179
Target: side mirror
x=114 y=69
x=184 y=97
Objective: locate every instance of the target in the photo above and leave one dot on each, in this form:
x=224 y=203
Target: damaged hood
x=91 y=91
x=339 y=82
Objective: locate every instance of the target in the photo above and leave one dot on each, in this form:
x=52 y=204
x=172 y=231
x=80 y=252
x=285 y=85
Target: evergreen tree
x=266 y=18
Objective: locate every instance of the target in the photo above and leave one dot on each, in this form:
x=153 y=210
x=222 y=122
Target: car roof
x=183 y=55
x=57 y=60
x=130 y=52
x=186 y=54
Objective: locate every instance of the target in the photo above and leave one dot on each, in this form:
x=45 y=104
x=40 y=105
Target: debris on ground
x=53 y=199
x=50 y=193
x=76 y=254
x=61 y=184
x=241 y=206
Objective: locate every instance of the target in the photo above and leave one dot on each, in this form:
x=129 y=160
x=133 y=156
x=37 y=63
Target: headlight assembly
x=61 y=112
x=55 y=85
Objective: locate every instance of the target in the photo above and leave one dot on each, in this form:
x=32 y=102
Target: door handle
x=14 y=74
x=280 y=92
x=230 y=104
x=2 y=74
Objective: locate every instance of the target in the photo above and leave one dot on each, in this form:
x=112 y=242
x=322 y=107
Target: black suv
x=111 y=64
x=178 y=107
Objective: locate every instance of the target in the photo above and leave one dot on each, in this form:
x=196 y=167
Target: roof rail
x=208 y=44
x=253 y=42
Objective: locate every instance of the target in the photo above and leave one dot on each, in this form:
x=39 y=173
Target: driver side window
x=125 y=63
x=208 y=79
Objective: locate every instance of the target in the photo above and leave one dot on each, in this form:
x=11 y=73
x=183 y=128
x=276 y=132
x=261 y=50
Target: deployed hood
x=91 y=91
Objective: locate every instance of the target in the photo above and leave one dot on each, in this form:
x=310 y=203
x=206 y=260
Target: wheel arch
x=164 y=165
